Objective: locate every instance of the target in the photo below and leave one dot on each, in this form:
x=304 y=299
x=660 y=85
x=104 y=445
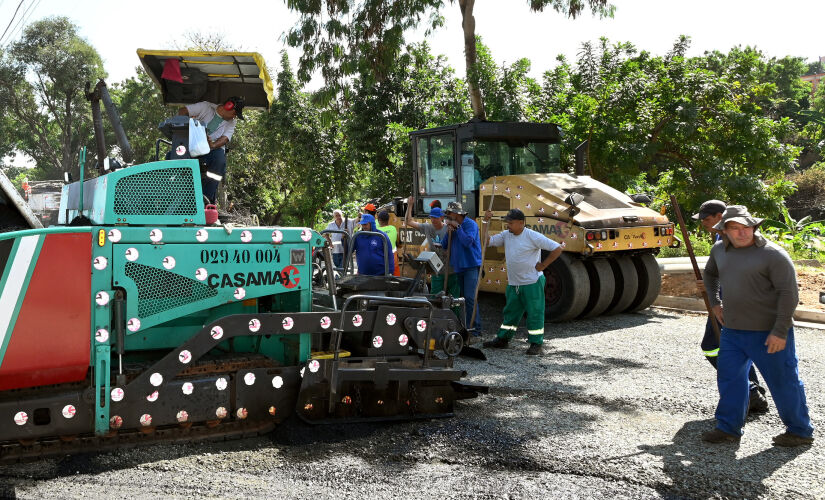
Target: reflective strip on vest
x=712 y=354
x=214 y=176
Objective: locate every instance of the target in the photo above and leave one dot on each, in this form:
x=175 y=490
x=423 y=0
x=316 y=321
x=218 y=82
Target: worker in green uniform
x=525 y=279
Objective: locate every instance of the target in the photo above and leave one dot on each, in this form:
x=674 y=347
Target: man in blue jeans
x=465 y=258
x=761 y=295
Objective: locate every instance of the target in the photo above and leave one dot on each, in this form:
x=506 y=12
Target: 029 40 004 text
x=289 y=277
x=224 y=256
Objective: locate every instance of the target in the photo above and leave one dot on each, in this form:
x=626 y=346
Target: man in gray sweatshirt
x=761 y=295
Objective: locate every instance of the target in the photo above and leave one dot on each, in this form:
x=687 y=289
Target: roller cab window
x=435 y=169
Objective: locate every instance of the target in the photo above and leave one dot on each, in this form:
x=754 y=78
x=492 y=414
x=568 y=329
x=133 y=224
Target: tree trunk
x=468 y=23
x=66 y=139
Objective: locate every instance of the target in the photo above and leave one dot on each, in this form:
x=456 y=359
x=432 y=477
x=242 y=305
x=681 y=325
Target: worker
x=435 y=234
x=710 y=213
x=525 y=279
x=465 y=258
x=369 y=208
x=392 y=233
x=219 y=122
x=339 y=223
x=369 y=249
x=761 y=295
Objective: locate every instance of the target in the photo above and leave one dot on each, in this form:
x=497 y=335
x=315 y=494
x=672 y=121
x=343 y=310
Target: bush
x=701 y=243
x=809 y=198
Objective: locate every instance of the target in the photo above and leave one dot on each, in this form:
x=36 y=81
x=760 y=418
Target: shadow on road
x=688 y=461
x=491 y=306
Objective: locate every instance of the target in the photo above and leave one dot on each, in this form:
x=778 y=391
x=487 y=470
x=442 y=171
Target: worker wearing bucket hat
x=761 y=295
x=465 y=257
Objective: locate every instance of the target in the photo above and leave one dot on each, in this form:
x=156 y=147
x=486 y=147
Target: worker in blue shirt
x=369 y=249
x=465 y=257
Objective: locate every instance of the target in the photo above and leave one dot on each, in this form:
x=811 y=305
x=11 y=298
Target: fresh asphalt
x=614 y=408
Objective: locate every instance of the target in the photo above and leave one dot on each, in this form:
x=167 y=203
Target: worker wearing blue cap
x=435 y=233
x=370 y=249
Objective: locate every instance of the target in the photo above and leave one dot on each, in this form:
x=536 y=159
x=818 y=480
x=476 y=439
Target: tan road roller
x=610 y=238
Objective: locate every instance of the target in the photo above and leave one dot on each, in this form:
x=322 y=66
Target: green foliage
x=509 y=93
x=421 y=91
x=728 y=125
x=346 y=38
x=288 y=165
x=693 y=126
x=700 y=241
x=801 y=238
x=141 y=109
x=41 y=87
x=343 y=38
x=815 y=67
x=810 y=195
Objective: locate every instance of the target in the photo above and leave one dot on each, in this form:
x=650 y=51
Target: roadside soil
x=811 y=283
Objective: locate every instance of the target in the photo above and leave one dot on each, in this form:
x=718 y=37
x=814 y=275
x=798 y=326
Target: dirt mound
x=811 y=283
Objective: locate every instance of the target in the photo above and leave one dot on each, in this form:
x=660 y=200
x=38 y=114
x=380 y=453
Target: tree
x=141 y=108
x=345 y=38
x=288 y=163
x=690 y=126
x=419 y=91
x=509 y=93
x=206 y=42
x=42 y=77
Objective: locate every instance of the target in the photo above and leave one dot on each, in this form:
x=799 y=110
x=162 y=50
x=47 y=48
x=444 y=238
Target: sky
x=118 y=28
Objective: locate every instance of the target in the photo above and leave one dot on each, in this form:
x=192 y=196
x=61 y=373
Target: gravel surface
x=614 y=409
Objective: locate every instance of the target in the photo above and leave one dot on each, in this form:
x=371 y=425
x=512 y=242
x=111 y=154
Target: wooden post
x=484 y=235
x=714 y=323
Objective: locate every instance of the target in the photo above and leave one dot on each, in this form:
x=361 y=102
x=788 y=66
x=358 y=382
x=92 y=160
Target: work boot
x=789 y=440
x=757 y=402
x=717 y=436
x=497 y=343
x=534 y=349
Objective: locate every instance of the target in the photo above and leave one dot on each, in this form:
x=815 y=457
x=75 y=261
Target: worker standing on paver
x=710 y=213
x=525 y=279
x=761 y=295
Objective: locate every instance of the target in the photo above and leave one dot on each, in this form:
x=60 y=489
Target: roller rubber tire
x=567 y=289
x=627 y=284
x=650 y=282
x=602 y=287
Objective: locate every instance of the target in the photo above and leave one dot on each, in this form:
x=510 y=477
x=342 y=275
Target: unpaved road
x=613 y=409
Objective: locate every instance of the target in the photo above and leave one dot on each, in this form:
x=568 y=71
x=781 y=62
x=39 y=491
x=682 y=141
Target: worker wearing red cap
x=219 y=121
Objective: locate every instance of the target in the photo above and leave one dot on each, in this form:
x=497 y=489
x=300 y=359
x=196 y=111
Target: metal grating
x=169 y=191
x=160 y=290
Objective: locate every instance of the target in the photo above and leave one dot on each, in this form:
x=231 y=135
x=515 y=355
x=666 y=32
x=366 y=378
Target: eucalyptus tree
x=347 y=38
